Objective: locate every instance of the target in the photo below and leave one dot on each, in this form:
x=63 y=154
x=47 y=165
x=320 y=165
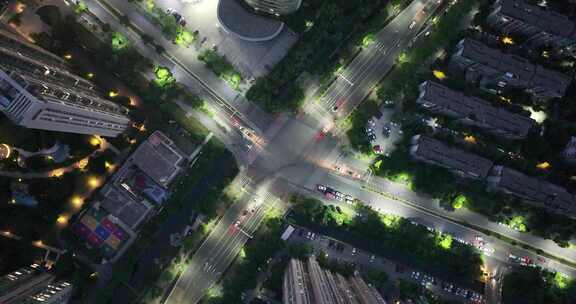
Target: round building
x=275 y=7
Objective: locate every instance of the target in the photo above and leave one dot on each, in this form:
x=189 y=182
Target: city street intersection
x=284 y=154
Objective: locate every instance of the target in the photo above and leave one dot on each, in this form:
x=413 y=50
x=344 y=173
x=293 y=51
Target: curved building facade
x=275 y=7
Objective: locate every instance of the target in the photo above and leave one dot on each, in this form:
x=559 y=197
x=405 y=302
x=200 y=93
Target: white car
x=339 y=195
x=412 y=24
x=349 y=199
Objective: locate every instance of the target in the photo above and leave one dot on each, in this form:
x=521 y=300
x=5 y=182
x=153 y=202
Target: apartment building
x=539 y=25
x=492 y=68
x=531 y=190
x=462 y=163
x=306 y=282
x=39 y=91
x=275 y=7
x=130 y=197
x=33 y=285
x=569 y=152
x=474 y=111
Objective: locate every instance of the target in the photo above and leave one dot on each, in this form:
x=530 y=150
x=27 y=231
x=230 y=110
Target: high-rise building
x=39 y=91
x=473 y=111
x=537 y=25
x=306 y=282
x=432 y=151
x=275 y=7
x=32 y=285
x=493 y=69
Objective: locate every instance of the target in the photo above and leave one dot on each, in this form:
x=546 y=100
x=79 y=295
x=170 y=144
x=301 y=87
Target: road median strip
x=487 y=232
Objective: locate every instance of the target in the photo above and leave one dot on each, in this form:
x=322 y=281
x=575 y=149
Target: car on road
x=321 y=188
x=354 y=251
x=349 y=199
x=339 y=195
x=377 y=149
x=412 y=24
x=372 y=257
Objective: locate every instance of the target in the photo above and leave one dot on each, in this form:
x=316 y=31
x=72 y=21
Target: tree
x=377 y=278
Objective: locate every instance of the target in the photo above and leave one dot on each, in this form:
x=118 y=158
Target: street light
x=93 y=182
x=95 y=140
x=62 y=220
x=77 y=201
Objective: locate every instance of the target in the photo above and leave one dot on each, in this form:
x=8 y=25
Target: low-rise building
x=492 y=68
x=539 y=25
x=460 y=162
x=474 y=111
x=131 y=196
x=531 y=190
x=306 y=282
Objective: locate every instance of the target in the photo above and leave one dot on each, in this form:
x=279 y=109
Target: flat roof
x=158 y=157
x=127 y=209
x=434 y=150
x=475 y=109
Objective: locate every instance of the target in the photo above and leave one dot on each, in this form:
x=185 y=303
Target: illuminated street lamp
x=77 y=201
x=470 y=139
x=543 y=165
x=82 y=163
x=439 y=74
x=62 y=220
x=95 y=140
x=507 y=40
x=57 y=173
x=112 y=94
x=93 y=182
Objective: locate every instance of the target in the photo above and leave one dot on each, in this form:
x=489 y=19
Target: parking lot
x=363 y=261
x=382 y=132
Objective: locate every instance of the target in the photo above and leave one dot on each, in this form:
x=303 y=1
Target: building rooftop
x=245 y=25
x=129 y=210
x=546 y=20
x=475 y=109
x=158 y=158
x=515 y=67
x=434 y=150
x=131 y=195
x=537 y=190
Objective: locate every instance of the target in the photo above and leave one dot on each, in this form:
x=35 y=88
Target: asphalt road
x=296 y=152
x=221 y=247
x=356 y=81
x=183 y=63
x=367 y=261
x=438 y=222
